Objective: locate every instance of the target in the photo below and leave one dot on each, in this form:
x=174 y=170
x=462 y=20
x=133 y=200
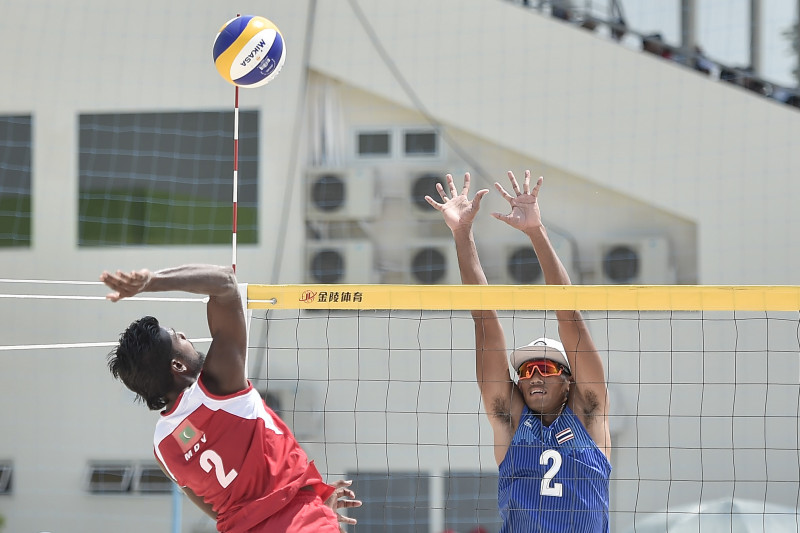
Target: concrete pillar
x=688 y=17
x=755 y=36
x=797 y=29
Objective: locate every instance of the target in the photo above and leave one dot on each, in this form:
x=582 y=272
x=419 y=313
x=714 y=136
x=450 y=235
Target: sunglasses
x=546 y=367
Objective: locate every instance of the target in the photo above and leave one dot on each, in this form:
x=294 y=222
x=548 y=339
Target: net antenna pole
x=235 y=172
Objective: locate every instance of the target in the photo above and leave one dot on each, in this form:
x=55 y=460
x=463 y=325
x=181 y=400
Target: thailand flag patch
x=564 y=436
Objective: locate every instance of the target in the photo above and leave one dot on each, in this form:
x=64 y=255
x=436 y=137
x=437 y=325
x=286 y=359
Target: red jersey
x=235 y=453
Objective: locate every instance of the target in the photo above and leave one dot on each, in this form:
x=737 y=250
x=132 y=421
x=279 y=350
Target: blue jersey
x=553 y=478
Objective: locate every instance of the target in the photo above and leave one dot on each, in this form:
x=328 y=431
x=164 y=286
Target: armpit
x=590 y=406
x=501 y=411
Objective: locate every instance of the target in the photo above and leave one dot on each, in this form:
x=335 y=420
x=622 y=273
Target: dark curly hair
x=142 y=361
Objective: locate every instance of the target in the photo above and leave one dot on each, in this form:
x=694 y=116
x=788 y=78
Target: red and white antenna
x=235 y=172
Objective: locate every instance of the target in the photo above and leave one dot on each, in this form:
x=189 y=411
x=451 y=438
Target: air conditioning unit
x=644 y=261
x=421 y=184
x=431 y=262
x=340 y=194
x=521 y=266
x=340 y=261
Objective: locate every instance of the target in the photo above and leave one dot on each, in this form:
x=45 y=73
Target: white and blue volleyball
x=249 y=51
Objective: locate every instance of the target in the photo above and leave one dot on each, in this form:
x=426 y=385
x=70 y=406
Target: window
x=392 y=504
x=374 y=144
x=126 y=476
x=166 y=178
x=421 y=143
x=6 y=477
x=470 y=502
x=150 y=478
x=15 y=181
x=110 y=477
x=397 y=142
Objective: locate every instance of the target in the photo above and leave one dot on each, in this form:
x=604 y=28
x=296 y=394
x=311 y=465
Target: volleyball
x=249 y=51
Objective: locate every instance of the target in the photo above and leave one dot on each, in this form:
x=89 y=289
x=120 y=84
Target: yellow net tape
x=528 y=297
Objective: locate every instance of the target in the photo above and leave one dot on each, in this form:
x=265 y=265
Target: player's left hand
x=525 y=214
x=125 y=285
x=343 y=498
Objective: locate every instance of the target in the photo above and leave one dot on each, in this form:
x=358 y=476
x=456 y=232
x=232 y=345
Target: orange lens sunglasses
x=546 y=367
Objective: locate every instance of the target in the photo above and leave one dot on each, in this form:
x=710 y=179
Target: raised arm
x=224 y=366
x=500 y=396
x=590 y=397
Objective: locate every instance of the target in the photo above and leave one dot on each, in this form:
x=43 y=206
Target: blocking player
x=550 y=421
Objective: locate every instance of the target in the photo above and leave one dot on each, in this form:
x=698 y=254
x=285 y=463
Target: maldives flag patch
x=186 y=434
x=564 y=436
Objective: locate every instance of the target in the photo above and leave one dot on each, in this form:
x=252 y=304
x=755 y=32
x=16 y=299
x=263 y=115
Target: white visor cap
x=542 y=348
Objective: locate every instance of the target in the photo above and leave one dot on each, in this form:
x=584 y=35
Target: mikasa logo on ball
x=251 y=52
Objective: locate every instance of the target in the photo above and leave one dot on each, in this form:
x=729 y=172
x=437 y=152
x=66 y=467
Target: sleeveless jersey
x=553 y=478
x=235 y=453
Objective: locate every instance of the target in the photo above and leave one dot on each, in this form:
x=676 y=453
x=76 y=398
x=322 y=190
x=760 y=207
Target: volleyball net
x=378 y=383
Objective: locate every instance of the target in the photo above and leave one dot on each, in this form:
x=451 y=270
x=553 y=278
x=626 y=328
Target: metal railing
x=611 y=23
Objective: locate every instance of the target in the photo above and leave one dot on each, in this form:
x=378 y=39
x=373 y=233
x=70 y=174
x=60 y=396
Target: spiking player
x=551 y=434
x=231 y=454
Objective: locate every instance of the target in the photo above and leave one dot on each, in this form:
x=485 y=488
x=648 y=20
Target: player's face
x=544 y=394
x=189 y=356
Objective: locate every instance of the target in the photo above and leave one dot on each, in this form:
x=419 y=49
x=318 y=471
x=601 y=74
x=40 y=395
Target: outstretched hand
x=458 y=210
x=125 y=285
x=524 y=215
x=343 y=498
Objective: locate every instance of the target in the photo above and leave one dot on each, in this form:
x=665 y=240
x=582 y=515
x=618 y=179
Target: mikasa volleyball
x=249 y=51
